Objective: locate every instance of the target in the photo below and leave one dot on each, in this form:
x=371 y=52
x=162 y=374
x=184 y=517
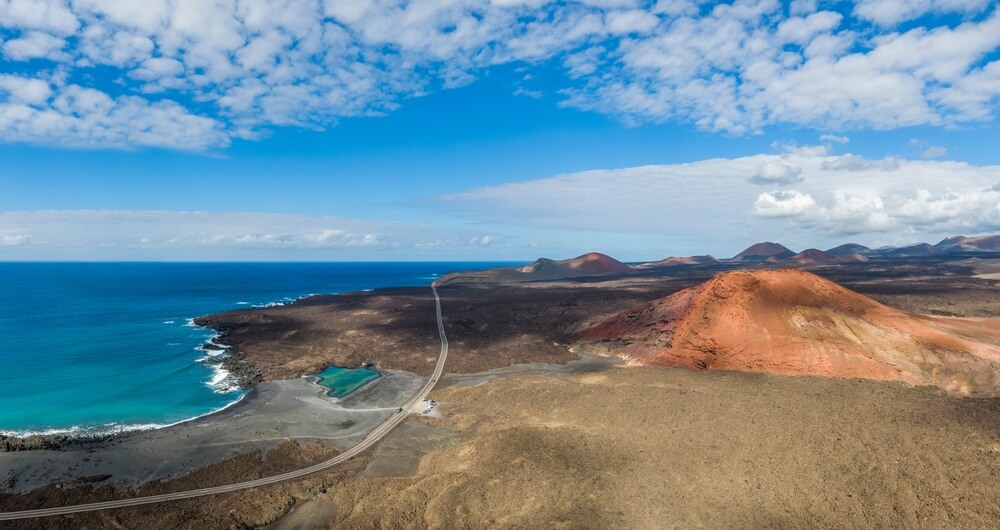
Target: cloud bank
x=170 y=235
x=193 y=75
x=811 y=198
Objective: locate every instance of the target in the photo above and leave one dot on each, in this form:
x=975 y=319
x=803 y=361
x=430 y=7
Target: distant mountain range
x=595 y=264
x=590 y=264
x=770 y=252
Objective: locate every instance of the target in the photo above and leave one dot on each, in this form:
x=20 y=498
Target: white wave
x=190 y=323
x=242 y=303
x=214 y=340
x=168 y=321
x=285 y=301
x=221 y=382
x=219 y=376
x=116 y=428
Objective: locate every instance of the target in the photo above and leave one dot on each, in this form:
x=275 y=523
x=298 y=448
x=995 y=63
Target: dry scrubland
x=654 y=448
x=661 y=447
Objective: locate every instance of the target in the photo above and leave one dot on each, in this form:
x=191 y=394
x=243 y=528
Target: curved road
x=369 y=440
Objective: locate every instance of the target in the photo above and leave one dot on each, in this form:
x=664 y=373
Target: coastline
x=220 y=356
x=54 y=440
x=269 y=414
x=242 y=375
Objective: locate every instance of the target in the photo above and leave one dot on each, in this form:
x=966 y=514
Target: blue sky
x=465 y=129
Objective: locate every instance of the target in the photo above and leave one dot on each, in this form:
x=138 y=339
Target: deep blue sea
x=110 y=346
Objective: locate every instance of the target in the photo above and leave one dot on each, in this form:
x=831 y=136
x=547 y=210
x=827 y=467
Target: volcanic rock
x=683 y=260
x=912 y=251
x=849 y=249
x=544 y=269
x=814 y=256
x=794 y=322
x=762 y=251
x=969 y=244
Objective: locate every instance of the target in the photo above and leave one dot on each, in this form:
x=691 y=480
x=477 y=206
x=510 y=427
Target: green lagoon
x=343 y=381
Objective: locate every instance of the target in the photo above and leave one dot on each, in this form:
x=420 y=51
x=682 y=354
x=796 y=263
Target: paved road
x=369 y=440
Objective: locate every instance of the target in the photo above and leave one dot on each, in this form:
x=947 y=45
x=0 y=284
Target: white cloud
x=801 y=30
x=851 y=162
x=14 y=240
x=584 y=63
x=31 y=111
x=32 y=45
x=631 y=21
x=783 y=204
x=891 y=12
x=731 y=71
x=834 y=138
x=46 y=15
x=934 y=151
x=777 y=172
x=927 y=150
x=801 y=7
x=735 y=67
x=803 y=150
x=126 y=234
x=24 y=90
x=533 y=94
x=818 y=197
x=846 y=215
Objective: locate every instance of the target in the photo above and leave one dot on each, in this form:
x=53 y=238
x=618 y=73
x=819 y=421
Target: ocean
x=103 y=347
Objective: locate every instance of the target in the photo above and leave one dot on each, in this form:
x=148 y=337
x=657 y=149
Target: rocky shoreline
x=243 y=374
x=58 y=442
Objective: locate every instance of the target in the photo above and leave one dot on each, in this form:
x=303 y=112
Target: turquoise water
x=110 y=346
x=343 y=381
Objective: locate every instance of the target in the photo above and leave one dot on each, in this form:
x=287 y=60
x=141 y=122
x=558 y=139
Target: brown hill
x=913 y=251
x=590 y=264
x=970 y=244
x=683 y=260
x=815 y=256
x=848 y=249
x=763 y=251
x=793 y=322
